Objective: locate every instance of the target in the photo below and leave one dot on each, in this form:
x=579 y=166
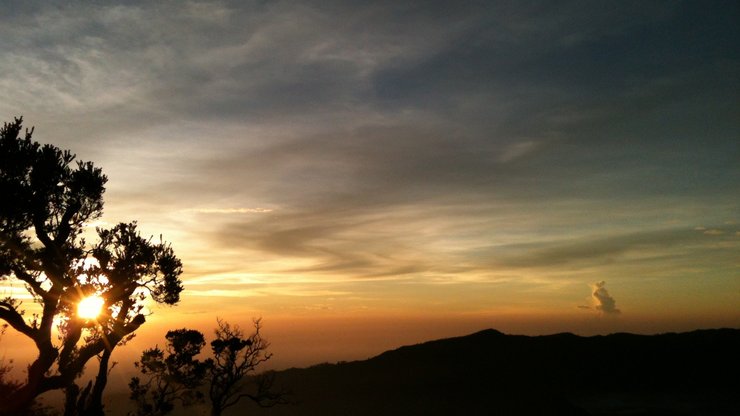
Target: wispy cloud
x=397 y=142
x=229 y=210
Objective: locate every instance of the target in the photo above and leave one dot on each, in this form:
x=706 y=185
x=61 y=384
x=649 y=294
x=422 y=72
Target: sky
x=363 y=175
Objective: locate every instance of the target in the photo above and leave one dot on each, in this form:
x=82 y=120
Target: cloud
x=517 y=150
x=394 y=139
x=230 y=210
x=604 y=302
x=579 y=252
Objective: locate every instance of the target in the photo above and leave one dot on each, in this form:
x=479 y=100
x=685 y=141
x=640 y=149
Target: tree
x=228 y=374
x=170 y=379
x=235 y=359
x=47 y=204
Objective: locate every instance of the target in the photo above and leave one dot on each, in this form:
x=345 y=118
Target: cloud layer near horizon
x=380 y=153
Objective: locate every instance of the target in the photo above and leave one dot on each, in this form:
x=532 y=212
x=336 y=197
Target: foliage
x=48 y=204
x=228 y=374
x=170 y=379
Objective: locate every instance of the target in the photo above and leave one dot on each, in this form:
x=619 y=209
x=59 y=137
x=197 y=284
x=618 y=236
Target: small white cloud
x=604 y=302
x=714 y=231
x=97 y=223
x=516 y=151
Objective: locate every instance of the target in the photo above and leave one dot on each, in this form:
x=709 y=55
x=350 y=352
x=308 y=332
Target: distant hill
x=490 y=373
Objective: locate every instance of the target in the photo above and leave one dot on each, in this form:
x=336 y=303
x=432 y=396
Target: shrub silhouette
x=169 y=379
x=228 y=375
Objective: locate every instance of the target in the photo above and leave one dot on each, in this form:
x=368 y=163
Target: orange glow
x=90 y=307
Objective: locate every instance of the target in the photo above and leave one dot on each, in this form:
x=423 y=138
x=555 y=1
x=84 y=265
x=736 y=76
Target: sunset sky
x=363 y=176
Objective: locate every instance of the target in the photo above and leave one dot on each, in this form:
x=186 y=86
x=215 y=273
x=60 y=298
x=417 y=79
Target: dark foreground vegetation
x=49 y=200
x=489 y=373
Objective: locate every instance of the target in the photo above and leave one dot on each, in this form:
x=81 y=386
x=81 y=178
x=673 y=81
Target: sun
x=90 y=307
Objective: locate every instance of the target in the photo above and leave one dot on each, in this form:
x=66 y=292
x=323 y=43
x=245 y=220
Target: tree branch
x=74 y=333
x=64 y=227
x=10 y=314
x=110 y=339
x=27 y=278
x=39 y=228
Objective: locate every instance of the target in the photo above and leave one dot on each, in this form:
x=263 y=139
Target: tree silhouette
x=235 y=359
x=229 y=374
x=172 y=378
x=8 y=386
x=47 y=205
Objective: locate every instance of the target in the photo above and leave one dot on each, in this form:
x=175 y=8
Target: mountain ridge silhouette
x=489 y=373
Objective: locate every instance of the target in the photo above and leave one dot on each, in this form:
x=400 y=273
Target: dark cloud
x=587 y=251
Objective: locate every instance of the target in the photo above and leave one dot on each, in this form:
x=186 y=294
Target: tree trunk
x=70 y=403
x=23 y=398
x=95 y=404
